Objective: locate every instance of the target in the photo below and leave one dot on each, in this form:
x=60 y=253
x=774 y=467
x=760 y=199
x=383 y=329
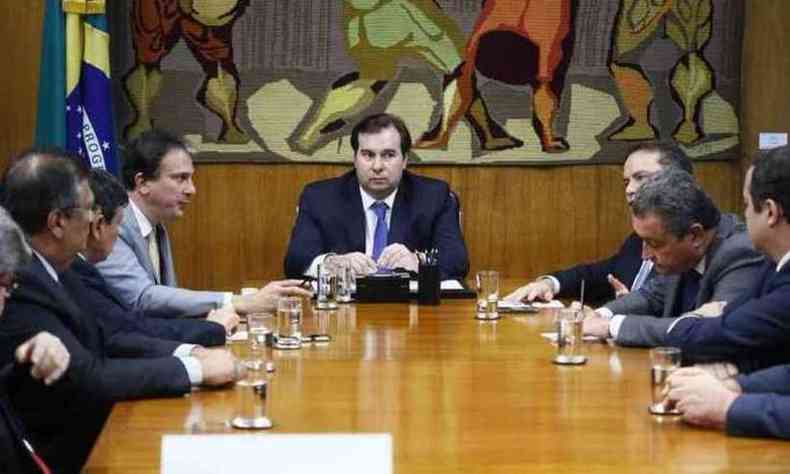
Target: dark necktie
x=380 y=234
x=690 y=283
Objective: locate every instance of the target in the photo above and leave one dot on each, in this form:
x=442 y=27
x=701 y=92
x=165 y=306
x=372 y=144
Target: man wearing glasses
x=378 y=215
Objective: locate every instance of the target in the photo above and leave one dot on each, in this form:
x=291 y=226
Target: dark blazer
x=117 y=316
x=331 y=219
x=14 y=457
x=764 y=407
x=731 y=265
x=753 y=331
x=624 y=265
x=66 y=417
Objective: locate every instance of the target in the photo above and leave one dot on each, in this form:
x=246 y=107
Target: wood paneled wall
x=519 y=220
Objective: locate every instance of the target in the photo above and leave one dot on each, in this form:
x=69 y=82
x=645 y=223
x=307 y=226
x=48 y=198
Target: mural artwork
x=478 y=81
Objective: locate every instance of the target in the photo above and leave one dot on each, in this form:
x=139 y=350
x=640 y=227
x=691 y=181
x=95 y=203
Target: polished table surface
x=457 y=395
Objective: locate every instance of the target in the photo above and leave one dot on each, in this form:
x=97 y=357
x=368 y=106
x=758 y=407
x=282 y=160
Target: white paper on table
x=552 y=336
x=328 y=453
x=240 y=335
x=445 y=285
x=548 y=305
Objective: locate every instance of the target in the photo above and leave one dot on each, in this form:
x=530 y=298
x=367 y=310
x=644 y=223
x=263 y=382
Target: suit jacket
x=764 y=407
x=117 y=316
x=624 y=265
x=14 y=457
x=66 y=417
x=731 y=266
x=129 y=272
x=331 y=219
x=753 y=331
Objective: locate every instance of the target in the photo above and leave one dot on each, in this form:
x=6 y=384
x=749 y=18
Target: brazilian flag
x=74 y=95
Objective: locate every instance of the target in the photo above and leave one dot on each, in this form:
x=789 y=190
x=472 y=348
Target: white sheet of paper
x=444 y=285
x=291 y=453
x=240 y=335
x=552 y=336
x=549 y=304
x=772 y=140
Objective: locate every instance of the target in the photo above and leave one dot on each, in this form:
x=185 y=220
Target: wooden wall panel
x=517 y=220
x=520 y=220
x=20 y=35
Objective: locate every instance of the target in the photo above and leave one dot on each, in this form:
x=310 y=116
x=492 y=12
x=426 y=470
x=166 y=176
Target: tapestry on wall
x=477 y=82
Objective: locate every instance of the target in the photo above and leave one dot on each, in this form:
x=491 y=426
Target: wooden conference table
x=457 y=395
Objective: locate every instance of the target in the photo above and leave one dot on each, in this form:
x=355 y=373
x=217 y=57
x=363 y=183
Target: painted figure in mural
x=206 y=26
x=546 y=25
x=379 y=34
x=688 y=26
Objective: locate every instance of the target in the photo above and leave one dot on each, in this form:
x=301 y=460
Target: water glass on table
x=487 y=295
x=327 y=288
x=663 y=361
x=252 y=397
x=288 y=333
x=570 y=337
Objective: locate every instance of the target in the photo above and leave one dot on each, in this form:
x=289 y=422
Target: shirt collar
x=702 y=265
x=47 y=266
x=145 y=225
x=368 y=200
x=783 y=261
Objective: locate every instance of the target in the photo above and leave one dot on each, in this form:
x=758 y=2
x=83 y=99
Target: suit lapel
x=355 y=221
x=54 y=295
x=131 y=233
x=401 y=212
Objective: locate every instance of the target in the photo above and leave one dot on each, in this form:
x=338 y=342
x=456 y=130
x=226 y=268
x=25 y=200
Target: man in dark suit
x=43 y=357
x=627 y=270
x=699 y=254
x=379 y=215
x=111 y=200
x=753 y=332
x=48 y=195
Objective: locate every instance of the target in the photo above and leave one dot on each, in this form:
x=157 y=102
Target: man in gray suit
x=700 y=256
x=158 y=171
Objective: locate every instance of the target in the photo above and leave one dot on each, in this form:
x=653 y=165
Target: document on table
x=445 y=285
x=328 y=453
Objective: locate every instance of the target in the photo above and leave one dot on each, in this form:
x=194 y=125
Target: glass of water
x=252 y=392
x=289 y=323
x=663 y=361
x=487 y=295
x=260 y=327
x=327 y=288
x=344 y=280
x=569 y=337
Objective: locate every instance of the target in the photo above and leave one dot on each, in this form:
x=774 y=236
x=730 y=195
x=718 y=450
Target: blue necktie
x=380 y=235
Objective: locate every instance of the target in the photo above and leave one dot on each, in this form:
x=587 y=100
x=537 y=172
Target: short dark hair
x=144 y=154
x=14 y=251
x=669 y=154
x=108 y=192
x=39 y=182
x=677 y=200
x=378 y=122
x=771 y=178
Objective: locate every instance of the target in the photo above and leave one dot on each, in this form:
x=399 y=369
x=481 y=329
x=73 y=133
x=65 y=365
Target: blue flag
x=75 y=96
